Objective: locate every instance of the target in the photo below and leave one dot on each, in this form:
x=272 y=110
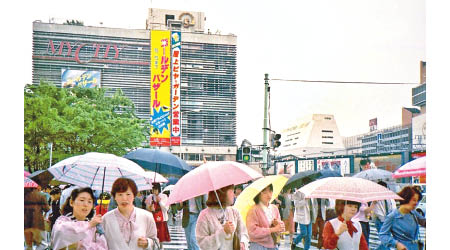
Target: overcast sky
x=345 y=40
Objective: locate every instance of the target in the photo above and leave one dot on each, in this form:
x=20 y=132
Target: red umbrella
x=417 y=167
x=29 y=183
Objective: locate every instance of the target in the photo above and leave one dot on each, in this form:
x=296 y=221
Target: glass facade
x=208 y=74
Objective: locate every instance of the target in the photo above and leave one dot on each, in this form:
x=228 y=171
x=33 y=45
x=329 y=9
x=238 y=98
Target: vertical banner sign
x=176 y=80
x=160 y=102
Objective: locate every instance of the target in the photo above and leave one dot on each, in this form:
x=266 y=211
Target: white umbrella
x=374 y=174
x=348 y=188
x=99 y=171
x=155 y=177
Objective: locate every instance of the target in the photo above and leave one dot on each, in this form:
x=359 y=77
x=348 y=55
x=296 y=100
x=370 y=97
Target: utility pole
x=266 y=124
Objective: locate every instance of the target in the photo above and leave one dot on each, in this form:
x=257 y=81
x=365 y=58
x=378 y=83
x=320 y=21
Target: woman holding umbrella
x=156 y=203
x=219 y=223
x=401 y=227
x=343 y=232
x=76 y=229
x=128 y=227
x=263 y=222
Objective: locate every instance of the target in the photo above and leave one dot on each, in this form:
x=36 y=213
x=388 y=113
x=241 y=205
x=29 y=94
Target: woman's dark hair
x=66 y=208
x=407 y=193
x=256 y=199
x=157 y=186
x=222 y=193
x=340 y=204
x=238 y=187
x=121 y=185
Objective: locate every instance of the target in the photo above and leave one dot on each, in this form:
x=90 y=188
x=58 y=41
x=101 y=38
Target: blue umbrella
x=172 y=181
x=159 y=161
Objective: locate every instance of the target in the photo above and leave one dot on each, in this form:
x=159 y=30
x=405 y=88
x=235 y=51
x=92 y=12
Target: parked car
x=421 y=207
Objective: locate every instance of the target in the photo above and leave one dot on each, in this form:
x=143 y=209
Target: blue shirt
x=400 y=227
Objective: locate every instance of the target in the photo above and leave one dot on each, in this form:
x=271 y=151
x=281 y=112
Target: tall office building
x=121 y=58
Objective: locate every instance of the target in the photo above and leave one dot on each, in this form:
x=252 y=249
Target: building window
x=169 y=17
x=327 y=131
x=331 y=137
x=325 y=142
x=327 y=118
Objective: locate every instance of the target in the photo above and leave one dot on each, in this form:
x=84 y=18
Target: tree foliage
x=77 y=121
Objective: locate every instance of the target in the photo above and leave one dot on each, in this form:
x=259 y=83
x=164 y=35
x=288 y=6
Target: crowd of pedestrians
x=79 y=218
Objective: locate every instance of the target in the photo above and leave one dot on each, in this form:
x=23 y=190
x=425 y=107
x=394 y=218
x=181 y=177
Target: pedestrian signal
x=246 y=154
x=275 y=140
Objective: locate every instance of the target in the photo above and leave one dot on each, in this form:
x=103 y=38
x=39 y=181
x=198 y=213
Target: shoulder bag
x=420 y=244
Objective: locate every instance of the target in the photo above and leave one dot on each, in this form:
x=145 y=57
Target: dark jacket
x=200 y=201
x=34 y=206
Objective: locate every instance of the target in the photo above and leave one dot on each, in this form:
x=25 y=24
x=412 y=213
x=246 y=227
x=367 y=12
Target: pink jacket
x=258 y=226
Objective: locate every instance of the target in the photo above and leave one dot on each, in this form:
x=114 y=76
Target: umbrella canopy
x=347 y=188
x=325 y=173
x=374 y=174
x=211 y=176
x=301 y=179
x=41 y=177
x=98 y=171
x=26 y=173
x=29 y=183
x=245 y=200
x=417 y=167
x=159 y=161
x=155 y=177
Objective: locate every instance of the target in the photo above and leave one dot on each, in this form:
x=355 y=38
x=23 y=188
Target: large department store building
x=121 y=59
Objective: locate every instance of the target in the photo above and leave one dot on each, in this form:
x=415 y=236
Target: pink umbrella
x=25 y=173
x=211 y=176
x=29 y=183
x=415 y=168
x=348 y=188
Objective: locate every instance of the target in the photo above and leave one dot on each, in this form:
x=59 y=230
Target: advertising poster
x=386 y=162
x=290 y=167
x=80 y=78
x=176 y=90
x=341 y=165
x=160 y=103
x=304 y=165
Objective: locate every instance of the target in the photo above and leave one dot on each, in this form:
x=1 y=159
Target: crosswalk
x=179 y=239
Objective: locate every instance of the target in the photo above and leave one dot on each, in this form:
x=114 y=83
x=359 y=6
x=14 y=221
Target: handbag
x=236 y=238
x=420 y=244
x=236 y=241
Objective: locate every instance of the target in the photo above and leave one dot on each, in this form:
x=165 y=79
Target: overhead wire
x=344 y=82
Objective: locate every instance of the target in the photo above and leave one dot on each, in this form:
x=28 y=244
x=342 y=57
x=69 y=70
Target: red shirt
x=330 y=238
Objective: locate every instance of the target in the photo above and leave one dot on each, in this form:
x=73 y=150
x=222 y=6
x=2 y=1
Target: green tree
x=77 y=121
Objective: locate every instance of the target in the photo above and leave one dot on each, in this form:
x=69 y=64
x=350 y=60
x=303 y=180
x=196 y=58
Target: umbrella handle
x=220 y=204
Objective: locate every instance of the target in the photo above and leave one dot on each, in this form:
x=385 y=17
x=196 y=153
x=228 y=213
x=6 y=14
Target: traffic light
x=246 y=154
x=275 y=140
